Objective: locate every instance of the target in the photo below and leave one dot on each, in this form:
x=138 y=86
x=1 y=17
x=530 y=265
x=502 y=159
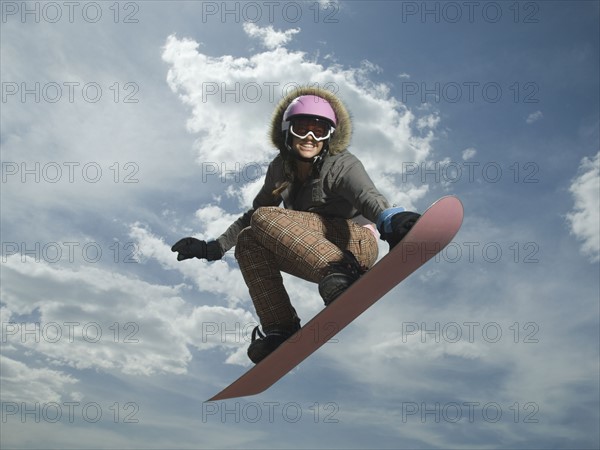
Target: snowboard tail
x=433 y=231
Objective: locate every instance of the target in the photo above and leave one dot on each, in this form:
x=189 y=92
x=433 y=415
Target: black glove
x=190 y=247
x=401 y=223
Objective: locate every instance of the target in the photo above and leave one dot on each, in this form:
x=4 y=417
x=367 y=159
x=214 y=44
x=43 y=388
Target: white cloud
x=214 y=220
x=21 y=383
x=534 y=117
x=430 y=121
x=419 y=343
x=468 y=153
x=329 y=3
x=270 y=38
x=95 y=159
x=95 y=318
x=584 y=219
x=246 y=192
x=215 y=277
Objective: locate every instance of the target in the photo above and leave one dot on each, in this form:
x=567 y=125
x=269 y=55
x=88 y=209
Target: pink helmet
x=308 y=105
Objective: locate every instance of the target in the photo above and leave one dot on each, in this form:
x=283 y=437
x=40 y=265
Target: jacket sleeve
x=354 y=184
x=264 y=197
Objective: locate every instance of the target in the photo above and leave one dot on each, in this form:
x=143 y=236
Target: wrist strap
x=384 y=221
x=213 y=251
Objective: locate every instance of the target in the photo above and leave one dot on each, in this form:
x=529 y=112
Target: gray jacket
x=341 y=188
x=344 y=190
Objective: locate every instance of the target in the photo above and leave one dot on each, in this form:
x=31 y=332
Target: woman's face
x=307 y=147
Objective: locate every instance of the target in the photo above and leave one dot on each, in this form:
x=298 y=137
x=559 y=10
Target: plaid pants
x=300 y=243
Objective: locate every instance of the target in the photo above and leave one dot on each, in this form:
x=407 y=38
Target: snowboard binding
x=340 y=276
x=264 y=344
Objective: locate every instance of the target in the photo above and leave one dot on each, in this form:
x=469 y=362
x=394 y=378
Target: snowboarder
x=323 y=234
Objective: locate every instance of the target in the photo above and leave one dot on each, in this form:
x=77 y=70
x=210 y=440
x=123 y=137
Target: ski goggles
x=318 y=128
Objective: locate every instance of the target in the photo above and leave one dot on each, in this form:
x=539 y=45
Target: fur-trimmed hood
x=340 y=139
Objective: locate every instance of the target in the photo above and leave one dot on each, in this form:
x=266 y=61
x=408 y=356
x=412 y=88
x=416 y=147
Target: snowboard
x=435 y=229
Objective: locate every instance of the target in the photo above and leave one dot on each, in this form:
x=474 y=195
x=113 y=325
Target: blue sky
x=116 y=120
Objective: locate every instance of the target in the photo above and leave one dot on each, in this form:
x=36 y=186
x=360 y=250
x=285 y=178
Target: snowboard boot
x=340 y=276
x=265 y=343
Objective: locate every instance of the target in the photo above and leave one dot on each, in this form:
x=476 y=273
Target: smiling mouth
x=308 y=146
